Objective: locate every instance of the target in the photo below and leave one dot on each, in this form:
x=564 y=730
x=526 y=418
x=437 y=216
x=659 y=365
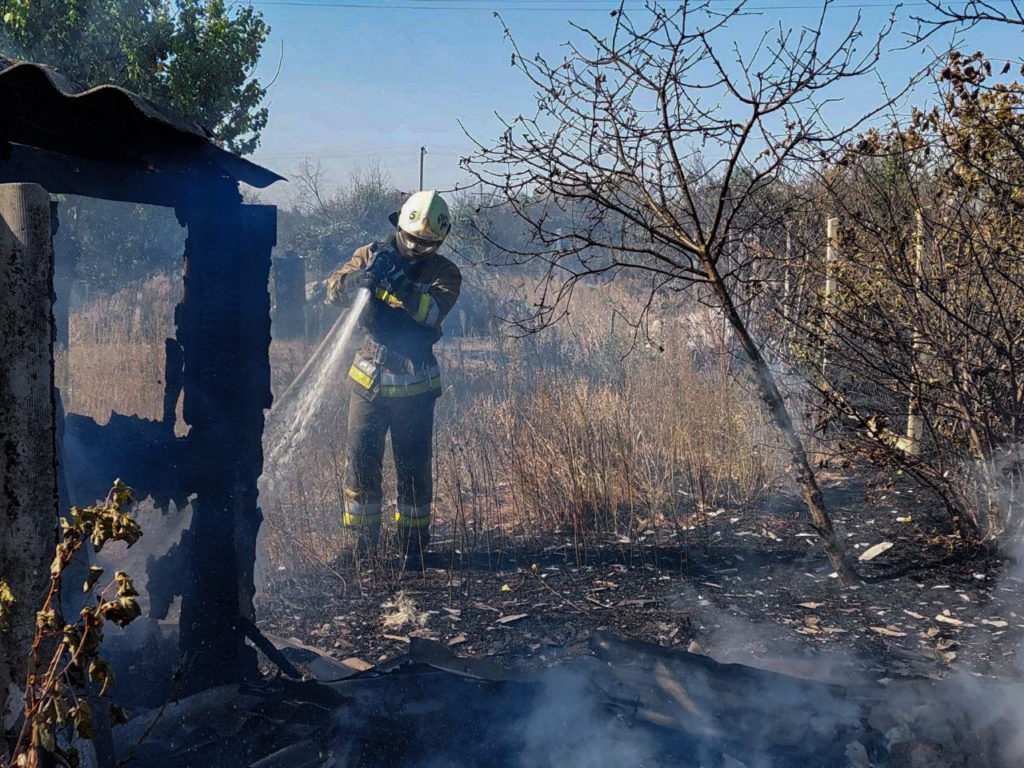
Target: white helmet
x=423 y=223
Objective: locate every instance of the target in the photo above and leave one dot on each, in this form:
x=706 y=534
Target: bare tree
x=929 y=303
x=311 y=195
x=327 y=222
x=657 y=148
x=965 y=14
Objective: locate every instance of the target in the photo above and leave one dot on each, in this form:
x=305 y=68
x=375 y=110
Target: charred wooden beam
x=142 y=451
x=263 y=643
x=64 y=174
x=224 y=330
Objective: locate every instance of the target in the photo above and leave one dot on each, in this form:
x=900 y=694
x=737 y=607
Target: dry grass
x=578 y=431
x=115 y=355
x=570 y=433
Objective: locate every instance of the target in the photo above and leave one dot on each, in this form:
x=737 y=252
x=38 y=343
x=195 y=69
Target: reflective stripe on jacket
x=378 y=380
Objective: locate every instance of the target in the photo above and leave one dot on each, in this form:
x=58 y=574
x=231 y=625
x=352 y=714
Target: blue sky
x=359 y=85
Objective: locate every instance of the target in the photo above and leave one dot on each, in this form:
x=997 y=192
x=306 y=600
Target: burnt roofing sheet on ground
x=42 y=110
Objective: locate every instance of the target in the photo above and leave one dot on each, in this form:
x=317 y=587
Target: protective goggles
x=417 y=246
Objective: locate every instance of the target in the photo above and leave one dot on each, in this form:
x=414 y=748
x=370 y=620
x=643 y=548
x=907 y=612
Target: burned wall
x=205 y=475
x=28 y=476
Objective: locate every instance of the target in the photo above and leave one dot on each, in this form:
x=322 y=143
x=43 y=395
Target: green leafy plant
x=195 y=56
x=65 y=660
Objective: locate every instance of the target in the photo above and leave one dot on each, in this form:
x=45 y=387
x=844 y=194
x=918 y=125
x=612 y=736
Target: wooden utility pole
x=423 y=152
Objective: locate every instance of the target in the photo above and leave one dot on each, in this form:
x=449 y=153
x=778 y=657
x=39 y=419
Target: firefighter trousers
x=411 y=423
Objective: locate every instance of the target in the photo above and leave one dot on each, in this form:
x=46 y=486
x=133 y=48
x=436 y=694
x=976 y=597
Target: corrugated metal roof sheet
x=43 y=109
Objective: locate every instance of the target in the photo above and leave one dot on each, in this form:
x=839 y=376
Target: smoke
x=995 y=488
x=568 y=728
x=974 y=712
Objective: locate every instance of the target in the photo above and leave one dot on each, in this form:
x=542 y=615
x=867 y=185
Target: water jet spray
x=301 y=405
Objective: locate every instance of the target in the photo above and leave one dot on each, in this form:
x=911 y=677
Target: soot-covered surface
x=751 y=587
x=927 y=649
x=629 y=704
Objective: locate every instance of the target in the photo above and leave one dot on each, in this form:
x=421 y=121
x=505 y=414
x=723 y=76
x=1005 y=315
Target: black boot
x=358 y=547
x=413 y=544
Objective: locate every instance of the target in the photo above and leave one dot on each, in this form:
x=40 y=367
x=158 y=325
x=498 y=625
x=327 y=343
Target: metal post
x=423 y=151
x=831 y=254
x=915 y=419
x=786 y=287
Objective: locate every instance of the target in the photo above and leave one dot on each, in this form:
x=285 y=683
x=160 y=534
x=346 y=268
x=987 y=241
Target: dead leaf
x=872 y=552
x=888 y=632
x=513 y=617
x=459 y=639
x=904 y=519
x=810 y=606
x=913 y=614
x=949 y=657
x=398 y=638
x=357 y=664
x=997 y=623
x=401 y=611
x=949 y=620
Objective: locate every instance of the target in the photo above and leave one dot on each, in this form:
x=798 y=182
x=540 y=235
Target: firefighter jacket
x=397 y=358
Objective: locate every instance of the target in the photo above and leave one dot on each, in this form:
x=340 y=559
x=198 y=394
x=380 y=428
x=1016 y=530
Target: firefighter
x=395 y=377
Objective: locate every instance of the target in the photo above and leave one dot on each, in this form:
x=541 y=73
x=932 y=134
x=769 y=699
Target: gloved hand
x=334 y=290
x=388 y=271
x=362 y=278
x=340 y=289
